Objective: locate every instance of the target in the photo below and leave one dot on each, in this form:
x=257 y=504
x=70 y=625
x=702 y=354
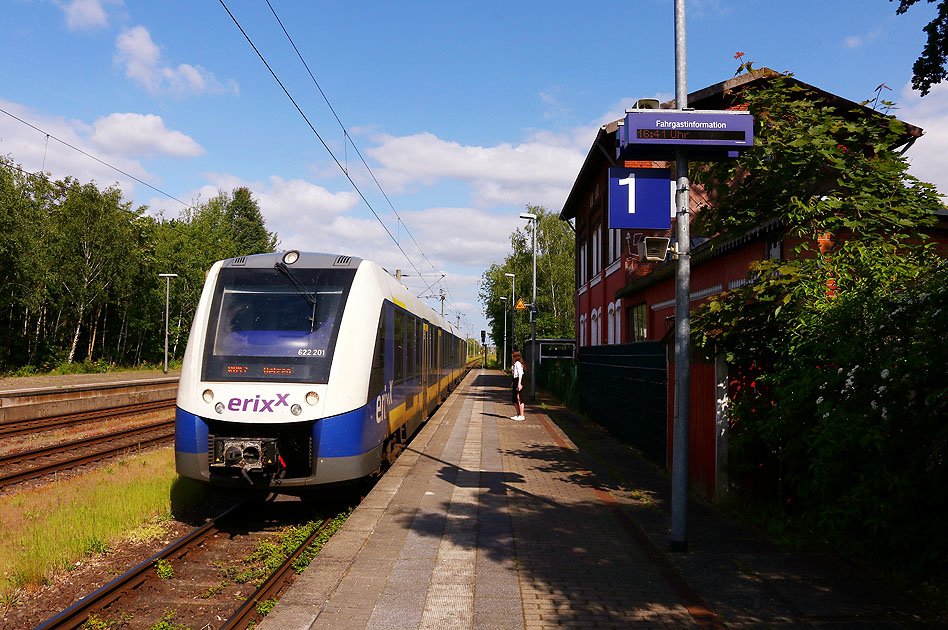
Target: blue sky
x=465 y=111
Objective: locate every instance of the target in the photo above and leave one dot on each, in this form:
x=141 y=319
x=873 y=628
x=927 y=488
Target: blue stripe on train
x=353 y=433
x=190 y=432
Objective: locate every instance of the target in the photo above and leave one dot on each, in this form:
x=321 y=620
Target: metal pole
x=167 y=277
x=513 y=311
x=504 y=301
x=167 y=300
x=679 y=503
x=533 y=319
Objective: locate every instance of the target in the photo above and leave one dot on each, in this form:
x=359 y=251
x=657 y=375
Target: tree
x=931 y=67
x=556 y=285
x=93 y=245
x=835 y=413
x=249 y=233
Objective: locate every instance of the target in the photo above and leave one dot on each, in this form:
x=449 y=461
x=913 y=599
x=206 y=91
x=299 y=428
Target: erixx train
x=304 y=370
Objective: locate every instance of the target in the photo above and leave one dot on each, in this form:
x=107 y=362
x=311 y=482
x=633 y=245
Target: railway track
x=20 y=427
x=29 y=465
x=202 y=579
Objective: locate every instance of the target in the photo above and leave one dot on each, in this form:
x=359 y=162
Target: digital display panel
x=648 y=131
x=689 y=134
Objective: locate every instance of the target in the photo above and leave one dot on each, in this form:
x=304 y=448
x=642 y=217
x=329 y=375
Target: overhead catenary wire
x=320 y=138
x=346 y=135
x=347 y=139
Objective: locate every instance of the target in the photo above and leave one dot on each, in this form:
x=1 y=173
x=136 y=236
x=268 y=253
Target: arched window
x=611 y=324
x=618 y=324
x=593 y=329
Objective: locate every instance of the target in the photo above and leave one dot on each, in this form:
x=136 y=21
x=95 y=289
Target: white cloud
x=34 y=152
x=144 y=135
x=506 y=174
x=927 y=155
x=86 y=14
x=141 y=58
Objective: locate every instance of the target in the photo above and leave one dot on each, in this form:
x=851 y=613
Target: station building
x=623 y=301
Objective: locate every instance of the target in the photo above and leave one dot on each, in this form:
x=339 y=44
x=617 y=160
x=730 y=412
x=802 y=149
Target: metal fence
x=624 y=387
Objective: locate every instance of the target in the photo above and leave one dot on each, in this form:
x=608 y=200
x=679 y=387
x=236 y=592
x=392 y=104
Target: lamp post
x=513 y=312
x=504 y=355
x=533 y=308
x=167 y=277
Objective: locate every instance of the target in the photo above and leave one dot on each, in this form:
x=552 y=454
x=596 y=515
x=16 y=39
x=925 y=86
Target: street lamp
x=513 y=312
x=533 y=308
x=504 y=355
x=167 y=277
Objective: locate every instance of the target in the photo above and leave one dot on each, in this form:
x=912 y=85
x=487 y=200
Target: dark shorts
x=516 y=394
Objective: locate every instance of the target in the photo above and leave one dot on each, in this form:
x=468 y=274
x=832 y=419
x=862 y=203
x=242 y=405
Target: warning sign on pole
x=520 y=305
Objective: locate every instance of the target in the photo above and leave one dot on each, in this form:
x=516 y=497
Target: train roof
x=306 y=259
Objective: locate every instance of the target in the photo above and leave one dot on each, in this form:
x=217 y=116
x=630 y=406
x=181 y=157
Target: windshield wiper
x=308 y=296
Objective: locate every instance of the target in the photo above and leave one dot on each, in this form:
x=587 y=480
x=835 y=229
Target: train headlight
x=312 y=398
x=296 y=410
x=291 y=257
x=208 y=396
x=219 y=407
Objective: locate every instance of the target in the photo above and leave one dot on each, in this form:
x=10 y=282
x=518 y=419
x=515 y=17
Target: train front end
x=266 y=399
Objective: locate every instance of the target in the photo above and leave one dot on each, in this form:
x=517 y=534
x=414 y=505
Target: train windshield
x=270 y=326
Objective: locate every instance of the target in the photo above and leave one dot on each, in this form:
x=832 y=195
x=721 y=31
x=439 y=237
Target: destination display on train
x=726 y=130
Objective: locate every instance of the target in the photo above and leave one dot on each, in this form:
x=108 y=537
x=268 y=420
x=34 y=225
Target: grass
x=52 y=527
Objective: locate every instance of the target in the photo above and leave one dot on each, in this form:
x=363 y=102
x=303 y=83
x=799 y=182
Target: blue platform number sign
x=641 y=198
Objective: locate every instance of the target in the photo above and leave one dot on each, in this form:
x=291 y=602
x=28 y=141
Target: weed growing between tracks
x=271 y=553
x=51 y=527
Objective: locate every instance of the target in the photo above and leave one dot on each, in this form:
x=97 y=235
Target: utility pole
x=679 y=503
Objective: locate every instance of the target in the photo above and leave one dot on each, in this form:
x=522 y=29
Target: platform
x=488 y=523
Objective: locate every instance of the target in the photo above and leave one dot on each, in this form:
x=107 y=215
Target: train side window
x=411 y=370
x=399 y=358
x=377 y=374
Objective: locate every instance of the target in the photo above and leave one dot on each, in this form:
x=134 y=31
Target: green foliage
x=163 y=569
x=931 y=67
x=167 y=622
x=556 y=283
x=837 y=357
x=79 y=271
x=266 y=606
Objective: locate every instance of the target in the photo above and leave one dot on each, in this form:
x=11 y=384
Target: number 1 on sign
x=630 y=182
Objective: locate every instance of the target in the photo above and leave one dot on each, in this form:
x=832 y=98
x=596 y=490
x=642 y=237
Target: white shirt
x=518 y=370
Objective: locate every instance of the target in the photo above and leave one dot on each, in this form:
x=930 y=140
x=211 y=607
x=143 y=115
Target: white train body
x=303 y=370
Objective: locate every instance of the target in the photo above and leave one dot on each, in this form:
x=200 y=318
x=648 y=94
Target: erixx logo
x=259 y=404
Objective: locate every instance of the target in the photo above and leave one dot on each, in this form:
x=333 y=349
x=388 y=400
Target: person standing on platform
x=517 y=373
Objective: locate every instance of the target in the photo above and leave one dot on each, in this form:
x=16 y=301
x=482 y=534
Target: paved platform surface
x=487 y=523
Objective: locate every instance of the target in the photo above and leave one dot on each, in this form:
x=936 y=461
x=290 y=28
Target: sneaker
x=518 y=418
x=514 y=417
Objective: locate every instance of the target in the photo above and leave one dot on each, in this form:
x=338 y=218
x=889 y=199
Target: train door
x=425 y=366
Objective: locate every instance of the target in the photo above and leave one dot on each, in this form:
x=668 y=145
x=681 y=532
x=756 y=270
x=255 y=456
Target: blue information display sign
x=641 y=198
x=726 y=130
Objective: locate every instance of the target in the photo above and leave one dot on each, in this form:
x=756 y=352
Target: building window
x=639 y=322
x=582 y=265
x=594 y=329
x=617 y=326
x=596 y=246
x=773 y=248
x=610 y=325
